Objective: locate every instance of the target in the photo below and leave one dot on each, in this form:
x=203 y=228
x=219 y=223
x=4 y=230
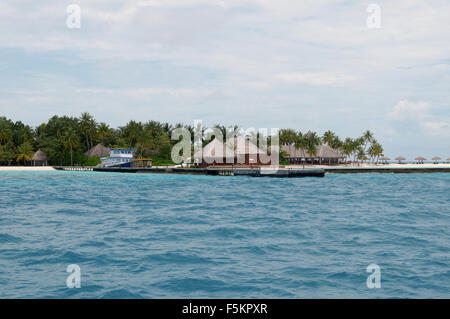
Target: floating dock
x=253 y=172
x=263 y=172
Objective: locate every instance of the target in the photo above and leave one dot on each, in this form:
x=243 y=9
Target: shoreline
x=26 y=168
x=337 y=169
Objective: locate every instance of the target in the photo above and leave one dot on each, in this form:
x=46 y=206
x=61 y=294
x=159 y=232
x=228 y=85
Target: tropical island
x=82 y=141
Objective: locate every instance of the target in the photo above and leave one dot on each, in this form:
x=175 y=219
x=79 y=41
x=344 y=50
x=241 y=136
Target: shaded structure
x=236 y=151
x=400 y=159
x=420 y=159
x=98 y=150
x=245 y=152
x=39 y=159
x=384 y=159
x=214 y=153
x=324 y=155
x=436 y=159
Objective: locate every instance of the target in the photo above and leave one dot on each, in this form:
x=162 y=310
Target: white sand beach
x=26 y=168
x=365 y=165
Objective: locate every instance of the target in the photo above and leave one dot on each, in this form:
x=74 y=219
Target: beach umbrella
x=400 y=159
x=436 y=159
x=420 y=159
x=384 y=159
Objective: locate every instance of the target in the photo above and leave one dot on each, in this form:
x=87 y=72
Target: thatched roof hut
x=384 y=159
x=215 y=151
x=294 y=152
x=242 y=146
x=39 y=156
x=98 y=150
x=420 y=158
x=400 y=159
x=436 y=158
x=323 y=151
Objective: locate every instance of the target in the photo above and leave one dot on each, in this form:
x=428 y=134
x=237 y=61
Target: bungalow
x=324 y=155
x=236 y=151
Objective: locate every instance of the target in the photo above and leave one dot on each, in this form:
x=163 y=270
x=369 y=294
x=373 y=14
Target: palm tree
x=24 y=152
x=301 y=143
x=288 y=136
x=88 y=128
x=348 y=147
x=143 y=141
x=132 y=131
x=71 y=142
x=312 y=141
x=361 y=155
x=375 y=151
x=368 y=138
x=357 y=147
x=7 y=153
x=5 y=131
x=329 y=137
x=103 y=131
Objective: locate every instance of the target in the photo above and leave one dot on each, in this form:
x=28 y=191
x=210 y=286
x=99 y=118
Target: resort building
x=324 y=155
x=98 y=150
x=118 y=157
x=39 y=159
x=238 y=151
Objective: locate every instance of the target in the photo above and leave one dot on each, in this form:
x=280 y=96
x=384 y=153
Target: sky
x=308 y=65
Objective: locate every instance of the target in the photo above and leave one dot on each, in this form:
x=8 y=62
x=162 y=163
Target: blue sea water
x=180 y=236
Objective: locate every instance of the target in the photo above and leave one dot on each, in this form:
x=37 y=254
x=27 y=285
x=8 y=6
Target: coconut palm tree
x=132 y=131
x=301 y=143
x=348 y=147
x=375 y=151
x=5 y=131
x=71 y=142
x=24 y=152
x=329 y=137
x=361 y=155
x=88 y=128
x=7 y=153
x=312 y=141
x=288 y=136
x=103 y=131
x=367 y=138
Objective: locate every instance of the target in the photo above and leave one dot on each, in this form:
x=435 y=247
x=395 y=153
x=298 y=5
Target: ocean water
x=175 y=236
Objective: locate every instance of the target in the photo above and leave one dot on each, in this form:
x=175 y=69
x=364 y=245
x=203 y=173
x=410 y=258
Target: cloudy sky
x=310 y=64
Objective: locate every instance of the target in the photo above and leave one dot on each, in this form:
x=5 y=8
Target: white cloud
x=140 y=92
x=418 y=116
x=405 y=110
x=316 y=78
x=437 y=128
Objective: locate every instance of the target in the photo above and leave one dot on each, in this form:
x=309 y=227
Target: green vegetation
x=65 y=140
x=364 y=148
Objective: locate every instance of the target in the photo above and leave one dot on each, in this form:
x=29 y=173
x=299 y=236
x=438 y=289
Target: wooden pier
x=75 y=168
x=253 y=172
